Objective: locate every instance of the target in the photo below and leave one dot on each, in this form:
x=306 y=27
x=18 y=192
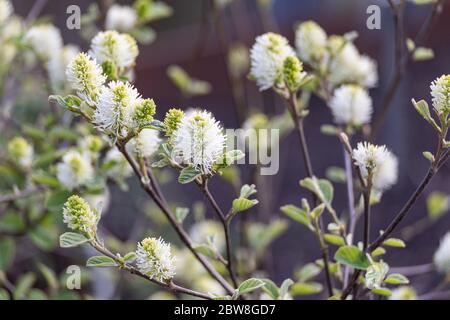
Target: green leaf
x=44 y=237
x=396 y=279
x=181 y=214
x=45 y=180
x=424 y=110
x=382 y=292
x=438 y=203
x=353 y=257
x=271 y=289
x=247 y=191
x=334 y=239
x=130 y=257
x=49 y=276
x=429 y=156
x=206 y=250
x=7 y=251
x=308 y=288
x=296 y=214
x=317 y=211
x=69 y=102
x=284 y=288
x=423 y=54
x=336 y=174
x=242 y=204
x=4 y=295
x=101 y=262
x=23 y=285
x=36 y=294
x=56 y=200
x=307 y=272
x=250 y=285
x=378 y=252
x=322 y=188
x=188 y=174
x=72 y=239
x=394 y=242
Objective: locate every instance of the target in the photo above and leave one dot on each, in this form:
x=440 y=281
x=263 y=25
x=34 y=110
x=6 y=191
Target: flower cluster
x=377 y=162
x=21 y=151
x=351 y=105
x=442 y=255
x=79 y=216
x=155 y=259
x=267 y=59
x=145 y=144
x=198 y=141
x=120 y=18
x=311 y=42
x=75 y=170
x=440 y=91
x=6 y=10
x=375 y=274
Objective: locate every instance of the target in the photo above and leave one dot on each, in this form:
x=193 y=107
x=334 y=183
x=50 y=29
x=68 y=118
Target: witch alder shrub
x=99 y=131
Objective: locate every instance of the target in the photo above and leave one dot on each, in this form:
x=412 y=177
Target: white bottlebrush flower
x=442 y=255
x=115 y=107
x=57 y=64
x=204 y=231
x=145 y=144
x=45 y=40
x=199 y=140
x=267 y=58
x=155 y=259
x=349 y=66
x=375 y=274
x=403 y=293
x=351 y=105
x=118 y=166
x=6 y=10
x=75 y=170
x=119 y=48
x=440 y=91
x=79 y=216
x=86 y=77
x=382 y=164
x=120 y=18
x=311 y=42
x=21 y=151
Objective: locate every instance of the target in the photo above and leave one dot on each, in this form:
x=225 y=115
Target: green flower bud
x=79 y=216
x=293 y=73
x=172 y=120
x=20 y=151
x=144 y=111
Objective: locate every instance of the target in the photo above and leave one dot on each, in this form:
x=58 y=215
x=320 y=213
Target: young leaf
x=396 y=279
x=382 y=292
x=307 y=272
x=181 y=213
x=296 y=214
x=250 y=285
x=247 y=191
x=284 y=288
x=271 y=289
x=308 y=288
x=438 y=203
x=188 y=174
x=101 y=261
x=242 y=204
x=393 y=242
x=378 y=252
x=71 y=239
x=23 y=285
x=130 y=257
x=334 y=239
x=353 y=257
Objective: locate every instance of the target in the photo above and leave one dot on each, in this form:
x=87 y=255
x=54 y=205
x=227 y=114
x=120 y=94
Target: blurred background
x=198 y=37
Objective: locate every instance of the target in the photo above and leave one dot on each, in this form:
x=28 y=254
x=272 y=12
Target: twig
x=162 y=204
x=133 y=270
x=226 y=228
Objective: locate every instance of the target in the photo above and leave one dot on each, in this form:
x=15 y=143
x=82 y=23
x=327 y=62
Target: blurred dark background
x=190 y=39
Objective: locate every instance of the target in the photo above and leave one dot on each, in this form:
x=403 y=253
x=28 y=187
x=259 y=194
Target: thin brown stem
x=226 y=228
x=162 y=204
x=133 y=270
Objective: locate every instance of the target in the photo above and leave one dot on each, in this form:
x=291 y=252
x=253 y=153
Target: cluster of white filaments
x=155 y=259
x=86 y=77
x=79 y=216
x=199 y=140
x=311 y=42
x=145 y=144
x=45 y=40
x=75 y=170
x=379 y=162
x=112 y=46
x=115 y=107
x=58 y=63
x=267 y=58
x=351 y=105
x=349 y=66
x=440 y=91
x=120 y=18
x=442 y=255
